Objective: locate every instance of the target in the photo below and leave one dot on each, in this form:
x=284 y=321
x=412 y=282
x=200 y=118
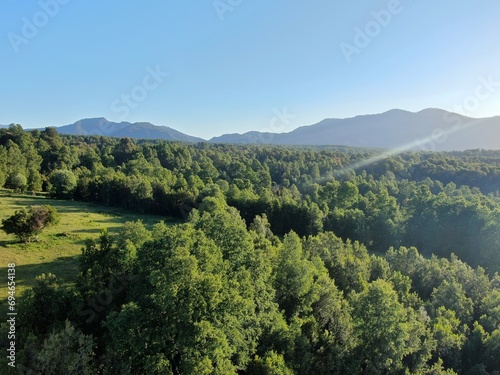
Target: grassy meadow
x=59 y=246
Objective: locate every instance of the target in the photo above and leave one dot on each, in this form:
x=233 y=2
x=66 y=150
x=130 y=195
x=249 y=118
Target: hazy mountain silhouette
x=144 y=130
x=429 y=129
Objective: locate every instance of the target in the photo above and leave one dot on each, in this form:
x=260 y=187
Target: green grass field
x=59 y=247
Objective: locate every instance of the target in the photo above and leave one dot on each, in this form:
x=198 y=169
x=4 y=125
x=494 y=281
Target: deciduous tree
x=28 y=223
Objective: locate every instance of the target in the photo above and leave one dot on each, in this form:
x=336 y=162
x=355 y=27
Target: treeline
x=286 y=260
x=402 y=200
x=212 y=296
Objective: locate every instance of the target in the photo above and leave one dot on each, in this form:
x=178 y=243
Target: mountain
x=144 y=130
x=430 y=129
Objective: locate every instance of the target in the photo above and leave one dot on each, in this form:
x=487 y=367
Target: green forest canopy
x=288 y=260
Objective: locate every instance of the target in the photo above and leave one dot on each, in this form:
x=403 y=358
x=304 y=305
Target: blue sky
x=222 y=66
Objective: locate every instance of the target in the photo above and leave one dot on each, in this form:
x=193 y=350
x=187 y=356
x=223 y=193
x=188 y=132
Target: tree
x=66 y=351
x=492 y=355
x=381 y=322
x=124 y=151
x=45 y=306
x=271 y=364
x=452 y=296
x=347 y=263
x=490 y=307
x=63 y=183
x=189 y=315
x=15 y=162
x=26 y=223
x=131 y=237
x=449 y=336
x=3 y=165
x=34 y=180
x=294 y=278
x=19 y=182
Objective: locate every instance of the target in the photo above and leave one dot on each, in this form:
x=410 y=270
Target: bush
x=28 y=223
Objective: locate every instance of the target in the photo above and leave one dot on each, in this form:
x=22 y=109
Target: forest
x=283 y=260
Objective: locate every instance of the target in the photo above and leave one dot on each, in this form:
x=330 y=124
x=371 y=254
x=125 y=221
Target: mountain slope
x=430 y=129
x=144 y=130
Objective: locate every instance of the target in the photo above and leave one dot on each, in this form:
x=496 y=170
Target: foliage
x=285 y=260
x=63 y=183
x=389 y=202
x=28 y=223
x=19 y=183
x=66 y=351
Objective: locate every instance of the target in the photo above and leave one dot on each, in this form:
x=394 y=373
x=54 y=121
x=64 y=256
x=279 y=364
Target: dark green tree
x=381 y=321
x=28 y=223
x=19 y=183
x=66 y=351
x=63 y=183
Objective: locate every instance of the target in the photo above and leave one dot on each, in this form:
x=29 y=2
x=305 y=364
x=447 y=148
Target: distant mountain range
x=143 y=130
x=429 y=129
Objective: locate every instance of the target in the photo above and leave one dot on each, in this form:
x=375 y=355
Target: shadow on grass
x=24 y=200
x=62 y=206
x=71 y=206
x=89 y=234
x=8 y=242
x=65 y=268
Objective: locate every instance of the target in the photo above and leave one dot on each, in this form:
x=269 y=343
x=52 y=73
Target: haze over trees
x=284 y=261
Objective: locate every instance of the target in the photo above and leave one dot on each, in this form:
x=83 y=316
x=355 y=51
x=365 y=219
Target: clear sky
x=223 y=66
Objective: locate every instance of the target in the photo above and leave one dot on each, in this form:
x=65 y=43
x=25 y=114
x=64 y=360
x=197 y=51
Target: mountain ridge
x=431 y=129
x=142 y=130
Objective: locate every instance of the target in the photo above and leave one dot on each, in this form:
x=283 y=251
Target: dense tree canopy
x=390 y=202
x=285 y=260
x=176 y=299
